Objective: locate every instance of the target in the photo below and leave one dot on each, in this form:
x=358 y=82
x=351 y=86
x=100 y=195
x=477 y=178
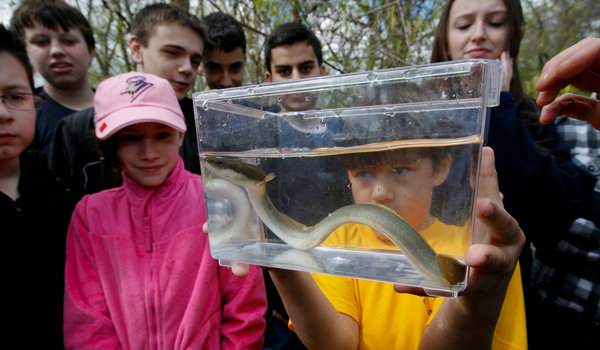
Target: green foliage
x=552 y=26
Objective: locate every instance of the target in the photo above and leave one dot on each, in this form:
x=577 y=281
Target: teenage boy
x=34 y=211
x=166 y=41
x=293 y=51
x=224 y=60
x=60 y=44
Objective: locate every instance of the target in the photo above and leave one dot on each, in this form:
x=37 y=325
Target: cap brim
x=125 y=117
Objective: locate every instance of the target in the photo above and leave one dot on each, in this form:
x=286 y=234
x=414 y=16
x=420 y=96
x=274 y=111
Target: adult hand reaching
x=579 y=65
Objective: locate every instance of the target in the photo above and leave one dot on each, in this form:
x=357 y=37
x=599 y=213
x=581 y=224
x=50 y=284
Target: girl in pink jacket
x=139 y=274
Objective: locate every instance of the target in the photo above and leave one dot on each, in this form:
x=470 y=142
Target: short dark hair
x=151 y=16
x=223 y=31
x=10 y=44
x=381 y=158
x=51 y=14
x=288 y=34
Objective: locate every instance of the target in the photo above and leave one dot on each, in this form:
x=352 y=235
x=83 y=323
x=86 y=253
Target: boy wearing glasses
x=34 y=210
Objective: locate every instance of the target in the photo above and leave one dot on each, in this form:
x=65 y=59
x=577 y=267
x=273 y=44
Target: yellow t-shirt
x=390 y=320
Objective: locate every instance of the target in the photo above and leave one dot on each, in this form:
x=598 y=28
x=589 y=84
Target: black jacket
x=75 y=158
x=34 y=231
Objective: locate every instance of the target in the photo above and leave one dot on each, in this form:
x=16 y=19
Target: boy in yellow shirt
x=330 y=312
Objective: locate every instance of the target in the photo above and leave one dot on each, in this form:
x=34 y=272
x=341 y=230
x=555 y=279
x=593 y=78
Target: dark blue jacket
x=543 y=190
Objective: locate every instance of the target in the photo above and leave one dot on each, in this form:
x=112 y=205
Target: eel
x=440 y=267
x=242 y=213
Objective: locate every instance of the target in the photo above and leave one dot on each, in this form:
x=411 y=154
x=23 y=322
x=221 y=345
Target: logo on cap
x=136 y=86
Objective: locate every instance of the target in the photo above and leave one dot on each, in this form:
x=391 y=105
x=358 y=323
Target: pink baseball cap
x=133 y=98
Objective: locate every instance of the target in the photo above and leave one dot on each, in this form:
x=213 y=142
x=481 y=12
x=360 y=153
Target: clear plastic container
x=322 y=161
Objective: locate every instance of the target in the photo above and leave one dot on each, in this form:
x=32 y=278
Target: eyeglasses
x=22 y=101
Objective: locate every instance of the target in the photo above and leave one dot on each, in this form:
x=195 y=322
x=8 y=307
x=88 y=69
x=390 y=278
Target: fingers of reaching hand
x=588 y=81
x=575 y=106
x=547 y=96
x=578 y=65
x=581 y=57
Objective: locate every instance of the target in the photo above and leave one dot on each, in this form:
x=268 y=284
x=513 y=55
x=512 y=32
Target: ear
x=268 y=76
x=181 y=134
x=92 y=54
x=135 y=47
x=322 y=69
x=442 y=170
x=521 y=32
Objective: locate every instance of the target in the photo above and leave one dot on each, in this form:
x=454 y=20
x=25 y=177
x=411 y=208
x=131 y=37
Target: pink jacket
x=139 y=274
